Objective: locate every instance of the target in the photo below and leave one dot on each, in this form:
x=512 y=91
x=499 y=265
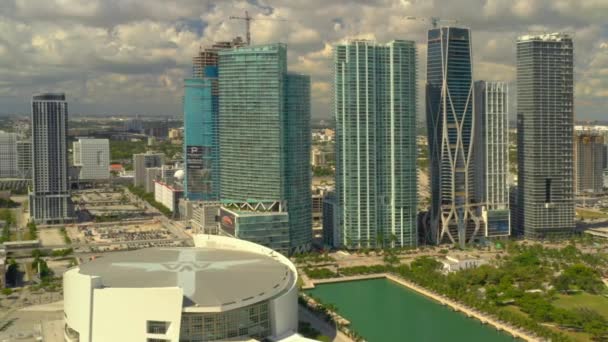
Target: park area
x=554 y=291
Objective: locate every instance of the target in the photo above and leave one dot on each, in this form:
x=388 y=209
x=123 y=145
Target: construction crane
x=434 y=20
x=248 y=20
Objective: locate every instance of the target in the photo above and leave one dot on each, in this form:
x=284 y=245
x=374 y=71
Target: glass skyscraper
x=264 y=135
x=50 y=195
x=454 y=216
x=545 y=114
x=201 y=125
x=298 y=144
x=492 y=156
x=201 y=159
x=375 y=111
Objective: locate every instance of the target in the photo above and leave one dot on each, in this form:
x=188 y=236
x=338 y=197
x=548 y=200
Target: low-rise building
x=264 y=223
x=167 y=195
x=205 y=217
x=454 y=264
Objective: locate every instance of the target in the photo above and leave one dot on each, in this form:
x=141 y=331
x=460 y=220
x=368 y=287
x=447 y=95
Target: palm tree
x=379 y=240
x=393 y=240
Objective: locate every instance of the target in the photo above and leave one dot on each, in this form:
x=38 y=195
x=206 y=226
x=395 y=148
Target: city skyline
x=109 y=64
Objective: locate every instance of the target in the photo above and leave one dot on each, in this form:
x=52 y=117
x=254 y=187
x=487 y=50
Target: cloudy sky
x=130 y=56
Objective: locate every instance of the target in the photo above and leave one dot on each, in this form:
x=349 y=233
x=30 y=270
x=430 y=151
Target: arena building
x=222 y=289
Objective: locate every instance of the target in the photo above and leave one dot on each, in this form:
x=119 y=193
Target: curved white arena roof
x=209 y=277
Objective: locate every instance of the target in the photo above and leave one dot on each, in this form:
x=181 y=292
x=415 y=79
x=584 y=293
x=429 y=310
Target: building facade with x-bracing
x=375 y=111
x=454 y=213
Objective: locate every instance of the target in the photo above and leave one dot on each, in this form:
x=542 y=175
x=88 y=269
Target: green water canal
x=381 y=310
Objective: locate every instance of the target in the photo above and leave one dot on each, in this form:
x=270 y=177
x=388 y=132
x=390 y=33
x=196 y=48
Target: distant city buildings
x=141 y=162
x=264 y=140
x=176 y=133
x=491 y=158
x=50 y=193
x=92 y=156
x=322 y=157
x=544 y=130
x=8 y=155
x=331 y=224
x=24 y=159
x=152 y=174
x=375 y=110
x=454 y=215
x=589 y=156
x=135 y=125
x=324 y=135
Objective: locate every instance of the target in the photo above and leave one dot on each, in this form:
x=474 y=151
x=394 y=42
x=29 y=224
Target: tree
x=12 y=272
x=379 y=240
x=393 y=240
x=32 y=230
x=581 y=276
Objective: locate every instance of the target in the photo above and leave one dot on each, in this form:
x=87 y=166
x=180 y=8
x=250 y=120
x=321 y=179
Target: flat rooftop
x=209 y=277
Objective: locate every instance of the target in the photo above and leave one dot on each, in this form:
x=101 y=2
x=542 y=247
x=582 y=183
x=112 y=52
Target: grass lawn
x=590 y=214
x=576 y=336
x=585 y=300
x=514 y=309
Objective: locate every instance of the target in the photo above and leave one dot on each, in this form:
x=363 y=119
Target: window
x=157 y=327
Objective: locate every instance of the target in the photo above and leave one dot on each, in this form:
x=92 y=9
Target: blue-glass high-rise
x=201 y=115
x=454 y=216
x=201 y=160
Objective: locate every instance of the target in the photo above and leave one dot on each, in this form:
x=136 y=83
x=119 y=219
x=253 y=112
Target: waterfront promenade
x=470 y=312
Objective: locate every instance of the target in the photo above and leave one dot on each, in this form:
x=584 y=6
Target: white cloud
x=131 y=55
